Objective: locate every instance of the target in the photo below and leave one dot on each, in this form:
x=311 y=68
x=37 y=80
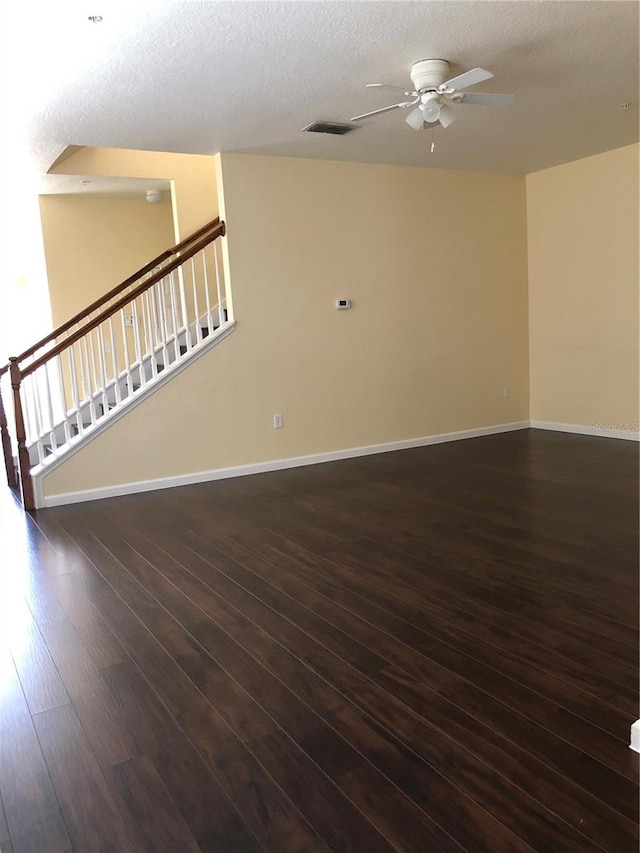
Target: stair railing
x=78 y=321
x=97 y=361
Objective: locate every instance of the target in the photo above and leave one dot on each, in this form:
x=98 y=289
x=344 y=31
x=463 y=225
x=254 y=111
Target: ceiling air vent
x=337 y=128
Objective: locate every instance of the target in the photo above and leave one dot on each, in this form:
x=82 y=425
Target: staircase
x=89 y=371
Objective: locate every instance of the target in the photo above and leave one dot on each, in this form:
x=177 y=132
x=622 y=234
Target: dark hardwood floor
x=429 y=650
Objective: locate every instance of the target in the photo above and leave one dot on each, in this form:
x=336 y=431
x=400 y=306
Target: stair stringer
x=39 y=472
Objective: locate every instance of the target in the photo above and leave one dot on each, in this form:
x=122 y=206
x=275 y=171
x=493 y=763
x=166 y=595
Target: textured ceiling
x=201 y=77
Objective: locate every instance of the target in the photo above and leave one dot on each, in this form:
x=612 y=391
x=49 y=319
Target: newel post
x=6 y=445
x=24 y=463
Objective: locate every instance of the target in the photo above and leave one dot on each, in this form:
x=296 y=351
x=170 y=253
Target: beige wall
x=193 y=178
x=435 y=263
x=93 y=243
x=583 y=287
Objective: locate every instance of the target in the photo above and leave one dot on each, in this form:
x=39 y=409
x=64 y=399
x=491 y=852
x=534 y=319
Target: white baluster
x=63 y=399
x=172 y=296
x=37 y=405
x=218 y=290
x=33 y=424
x=162 y=305
x=39 y=444
x=162 y=308
x=148 y=324
x=114 y=362
x=206 y=291
x=89 y=396
x=156 y=336
x=92 y=360
x=102 y=351
x=84 y=362
x=196 y=310
x=74 y=388
x=136 y=342
x=183 y=307
x=149 y=333
x=28 y=410
x=125 y=345
x=52 y=432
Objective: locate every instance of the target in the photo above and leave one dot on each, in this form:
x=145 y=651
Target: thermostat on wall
x=343 y=304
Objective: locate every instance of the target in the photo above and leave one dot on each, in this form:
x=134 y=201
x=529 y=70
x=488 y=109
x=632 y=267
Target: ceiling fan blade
x=393 y=88
x=401 y=105
x=463 y=81
x=447 y=115
x=489 y=100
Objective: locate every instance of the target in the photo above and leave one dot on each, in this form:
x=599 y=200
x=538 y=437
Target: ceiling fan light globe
x=431 y=112
x=447 y=115
x=415 y=119
x=431 y=107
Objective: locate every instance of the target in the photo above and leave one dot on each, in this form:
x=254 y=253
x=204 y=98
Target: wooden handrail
x=218 y=231
x=179 y=247
x=196 y=234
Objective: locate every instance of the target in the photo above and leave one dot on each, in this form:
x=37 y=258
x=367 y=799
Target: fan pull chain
x=433 y=144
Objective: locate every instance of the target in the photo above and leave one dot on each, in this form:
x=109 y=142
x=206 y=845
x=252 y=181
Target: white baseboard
x=599 y=430
x=634 y=743
x=43 y=501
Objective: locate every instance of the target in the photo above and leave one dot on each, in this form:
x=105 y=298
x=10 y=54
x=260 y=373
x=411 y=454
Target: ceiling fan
x=433 y=93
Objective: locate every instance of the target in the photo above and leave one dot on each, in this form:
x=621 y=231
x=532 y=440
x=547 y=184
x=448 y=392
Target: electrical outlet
x=506 y=391
x=128 y=319
x=277 y=421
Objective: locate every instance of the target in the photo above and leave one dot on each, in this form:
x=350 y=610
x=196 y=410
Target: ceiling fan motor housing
x=429 y=73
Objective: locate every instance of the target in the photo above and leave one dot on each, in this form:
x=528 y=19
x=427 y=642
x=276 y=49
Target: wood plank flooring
x=430 y=650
